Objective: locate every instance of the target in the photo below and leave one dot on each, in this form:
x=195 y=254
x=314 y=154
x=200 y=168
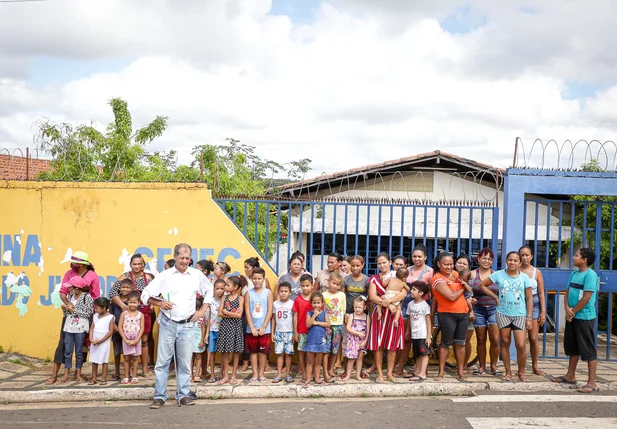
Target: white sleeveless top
x=533 y=282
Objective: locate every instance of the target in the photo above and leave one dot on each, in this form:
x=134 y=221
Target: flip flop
x=134 y=380
x=563 y=380
x=197 y=379
x=439 y=378
x=125 y=381
x=522 y=377
x=539 y=372
x=478 y=372
x=417 y=378
x=496 y=372
x=221 y=382
x=506 y=378
x=254 y=380
x=102 y=383
x=305 y=385
x=289 y=380
x=462 y=379
x=588 y=388
x=276 y=380
x=331 y=380
x=234 y=383
x=91 y=383
x=51 y=381
x=263 y=379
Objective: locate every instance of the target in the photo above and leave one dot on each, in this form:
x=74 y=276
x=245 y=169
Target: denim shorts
x=535 y=314
x=484 y=316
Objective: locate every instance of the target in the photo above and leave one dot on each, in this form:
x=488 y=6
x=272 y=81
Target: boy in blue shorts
x=579 y=337
x=283 y=331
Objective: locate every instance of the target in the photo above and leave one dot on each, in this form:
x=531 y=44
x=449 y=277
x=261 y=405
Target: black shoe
x=187 y=401
x=156 y=404
x=192 y=395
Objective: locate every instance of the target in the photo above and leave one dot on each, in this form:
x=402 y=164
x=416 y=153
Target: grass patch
x=315 y=396
x=16 y=361
x=434 y=394
x=1 y=349
x=365 y=395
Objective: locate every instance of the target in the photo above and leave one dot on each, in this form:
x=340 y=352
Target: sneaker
x=156 y=404
x=192 y=395
x=187 y=401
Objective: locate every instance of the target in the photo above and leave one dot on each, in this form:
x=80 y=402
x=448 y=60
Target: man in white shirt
x=175 y=291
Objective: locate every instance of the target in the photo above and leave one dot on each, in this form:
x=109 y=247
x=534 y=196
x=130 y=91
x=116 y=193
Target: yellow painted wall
x=40 y=221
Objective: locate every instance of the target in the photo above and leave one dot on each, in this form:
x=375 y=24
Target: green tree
x=83 y=153
x=235 y=172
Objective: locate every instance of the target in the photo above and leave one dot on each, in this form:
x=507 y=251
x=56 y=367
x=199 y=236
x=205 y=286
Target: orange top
x=459 y=305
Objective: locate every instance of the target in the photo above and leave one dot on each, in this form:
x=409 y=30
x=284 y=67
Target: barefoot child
x=316 y=342
x=131 y=326
x=212 y=331
x=419 y=329
x=126 y=287
x=103 y=326
x=579 y=337
x=358 y=325
x=282 y=332
x=258 y=308
x=77 y=325
x=302 y=305
x=335 y=305
x=393 y=286
x=199 y=341
x=231 y=335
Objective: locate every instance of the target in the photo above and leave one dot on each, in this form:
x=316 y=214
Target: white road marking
x=541 y=422
x=536 y=398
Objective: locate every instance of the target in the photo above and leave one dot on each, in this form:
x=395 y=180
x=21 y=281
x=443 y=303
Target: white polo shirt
x=181 y=289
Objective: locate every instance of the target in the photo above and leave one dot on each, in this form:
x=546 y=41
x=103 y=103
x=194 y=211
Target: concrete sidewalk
x=23 y=380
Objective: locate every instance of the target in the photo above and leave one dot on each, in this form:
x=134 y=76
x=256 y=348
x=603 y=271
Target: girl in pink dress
x=131 y=327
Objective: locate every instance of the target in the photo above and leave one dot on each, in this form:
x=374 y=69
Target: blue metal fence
x=555 y=229
x=277 y=228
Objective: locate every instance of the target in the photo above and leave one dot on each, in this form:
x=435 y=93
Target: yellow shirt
x=335 y=307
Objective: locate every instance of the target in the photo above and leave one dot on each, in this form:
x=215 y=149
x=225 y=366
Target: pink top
x=91 y=279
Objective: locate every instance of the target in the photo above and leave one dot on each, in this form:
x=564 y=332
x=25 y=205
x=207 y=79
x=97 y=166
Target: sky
x=343 y=82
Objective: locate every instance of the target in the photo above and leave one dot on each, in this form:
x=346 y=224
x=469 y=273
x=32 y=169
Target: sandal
x=506 y=378
x=587 y=388
x=364 y=374
x=563 y=380
x=212 y=380
x=539 y=372
x=102 y=383
x=320 y=383
x=496 y=372
x=51 y=381
x=439 y=378
x=392 y=380
x=289 y=379
x=115 y=377
x=263 y=379
x=522 y=377
x=91 y=383
x=222 y=381
x=379 y=380
x=462 y=379
x=478 y=371
x=331 y=380
x=234 y=382
x=276 y=380
x=125 y=381
x=417 y=378
x=305 y=385
x=254 y=380
x=134 y=380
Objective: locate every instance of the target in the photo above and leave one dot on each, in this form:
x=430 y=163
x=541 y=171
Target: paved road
x=481 y=412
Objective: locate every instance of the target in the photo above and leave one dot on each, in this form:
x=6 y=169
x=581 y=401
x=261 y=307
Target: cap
x=76 y=281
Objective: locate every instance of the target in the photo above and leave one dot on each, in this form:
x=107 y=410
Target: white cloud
x=355 y=86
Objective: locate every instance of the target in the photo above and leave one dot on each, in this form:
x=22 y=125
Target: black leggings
x=453 y=328
x=246 y=356
x=59 y=353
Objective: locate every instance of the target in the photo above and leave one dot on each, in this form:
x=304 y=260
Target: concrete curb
x=292 y=391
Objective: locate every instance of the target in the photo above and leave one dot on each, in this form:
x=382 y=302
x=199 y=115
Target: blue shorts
x=214 y=335
x=284 y=343
x=535 y=314
x=484 y=316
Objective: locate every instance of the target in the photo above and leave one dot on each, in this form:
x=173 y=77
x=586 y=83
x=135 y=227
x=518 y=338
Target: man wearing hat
x=80 y=267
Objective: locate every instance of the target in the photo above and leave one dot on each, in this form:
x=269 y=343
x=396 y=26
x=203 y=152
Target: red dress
x=383 y=331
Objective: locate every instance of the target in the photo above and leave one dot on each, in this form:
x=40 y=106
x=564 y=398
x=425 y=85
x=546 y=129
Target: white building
x=435 y=198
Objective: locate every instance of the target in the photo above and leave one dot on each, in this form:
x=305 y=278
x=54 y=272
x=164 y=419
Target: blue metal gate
x=278 y=227
x=555 y=229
